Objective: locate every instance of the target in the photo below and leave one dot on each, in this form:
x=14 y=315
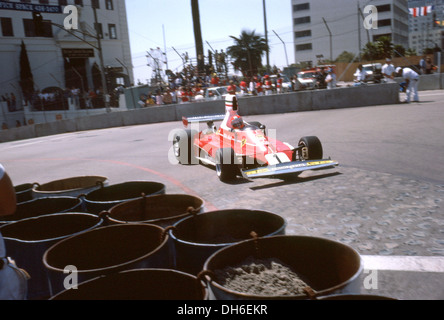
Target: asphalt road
x=385 y=198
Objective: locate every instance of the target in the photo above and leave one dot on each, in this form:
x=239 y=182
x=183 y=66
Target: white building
x=424 y=31
x=58 y=58
x=316 y=22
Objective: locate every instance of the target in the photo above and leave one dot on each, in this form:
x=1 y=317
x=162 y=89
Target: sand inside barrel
x=262 y=277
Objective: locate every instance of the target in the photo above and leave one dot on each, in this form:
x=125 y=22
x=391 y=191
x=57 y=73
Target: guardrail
x=349 y=97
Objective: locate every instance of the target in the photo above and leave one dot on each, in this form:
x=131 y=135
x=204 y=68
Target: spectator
x=330 y=79
x=279 y=84
x=422 y=65
x=388 y=70
x=360 y=75
x=267 y=85
x=167 y=97
x=159 y=98
x=142 y=101
x=428 y=67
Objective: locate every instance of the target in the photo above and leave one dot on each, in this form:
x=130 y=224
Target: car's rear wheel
x=226 y=167
x=183 y=146
x=310 y=148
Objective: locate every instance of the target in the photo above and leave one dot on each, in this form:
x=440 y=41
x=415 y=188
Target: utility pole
x=285 y=47
x=266 y=35
x=102 y=66
x=331 y=40
x=359 y=32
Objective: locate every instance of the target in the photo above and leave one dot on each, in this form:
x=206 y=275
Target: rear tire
x=311 y=148
x=226 y=167
x=183 y=146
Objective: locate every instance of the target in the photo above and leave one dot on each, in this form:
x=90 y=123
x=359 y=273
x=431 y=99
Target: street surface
x=385 y=198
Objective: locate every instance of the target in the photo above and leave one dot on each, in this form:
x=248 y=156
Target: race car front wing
x=288 y=167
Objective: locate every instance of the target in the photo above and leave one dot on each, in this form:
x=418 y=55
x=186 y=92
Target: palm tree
x=247 y=52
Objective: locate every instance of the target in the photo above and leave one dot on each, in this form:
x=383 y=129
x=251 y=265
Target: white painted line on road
x=403 y=263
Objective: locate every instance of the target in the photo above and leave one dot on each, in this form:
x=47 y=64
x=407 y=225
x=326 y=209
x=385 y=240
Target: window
x=384 y=8
x=63 y=2
x=95 y=4
x=109 y=5
x=7 y=30
x=302 y=34
x=384 y=22
x=78 y=3
x=43 y=1
x=112 y=31
x=99 y=30
x=30 y=29
x=301 y=7
x=302 y=20
x=304 y=47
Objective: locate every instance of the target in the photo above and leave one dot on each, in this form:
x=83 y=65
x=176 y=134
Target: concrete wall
x=290 y=102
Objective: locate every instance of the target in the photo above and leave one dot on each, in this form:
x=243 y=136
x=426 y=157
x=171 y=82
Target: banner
x=17 y=6
x=421 y=11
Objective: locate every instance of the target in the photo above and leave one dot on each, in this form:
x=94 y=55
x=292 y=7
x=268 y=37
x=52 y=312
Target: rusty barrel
x=43 y=206
x=163 y=210
x=196 y=237
x=318 y=267
x=107 y=250
x=68 y=187
x=140 y=284
x=23 y=192
x=27 y=240
x=107 y=197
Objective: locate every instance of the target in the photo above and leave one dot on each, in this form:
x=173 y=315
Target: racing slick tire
x=183 y=146
x=226 y=167
x=310 y=148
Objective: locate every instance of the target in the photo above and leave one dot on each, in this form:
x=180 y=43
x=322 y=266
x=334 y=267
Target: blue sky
x=149 y=20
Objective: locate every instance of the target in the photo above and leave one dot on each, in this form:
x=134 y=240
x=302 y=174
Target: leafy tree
x=410 y=52
x=345 y=56
x=247 y=52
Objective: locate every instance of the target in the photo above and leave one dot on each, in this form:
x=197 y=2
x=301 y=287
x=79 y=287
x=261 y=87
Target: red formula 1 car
x=246 y=151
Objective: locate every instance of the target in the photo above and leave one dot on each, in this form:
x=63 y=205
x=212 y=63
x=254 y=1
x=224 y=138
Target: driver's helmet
x=237 y=122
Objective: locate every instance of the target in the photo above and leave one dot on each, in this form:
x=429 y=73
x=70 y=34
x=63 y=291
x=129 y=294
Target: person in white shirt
x=388 y=70
x=360 y=75
x=330 y=79
x=412 y=79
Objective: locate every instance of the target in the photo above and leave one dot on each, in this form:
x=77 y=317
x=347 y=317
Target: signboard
x=45 y=8
x=78 y=53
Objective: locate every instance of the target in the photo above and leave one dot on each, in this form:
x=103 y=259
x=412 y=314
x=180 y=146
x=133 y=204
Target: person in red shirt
x=243 y=87
x=214 y=80
x=268 y=86
x=279 y=84
x=259 y=88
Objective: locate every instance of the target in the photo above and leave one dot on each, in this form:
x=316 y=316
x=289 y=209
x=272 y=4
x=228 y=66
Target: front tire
x=226 y=167
x=310 y=148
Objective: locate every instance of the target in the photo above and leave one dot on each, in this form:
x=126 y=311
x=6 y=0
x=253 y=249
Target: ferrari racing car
x=246 y=150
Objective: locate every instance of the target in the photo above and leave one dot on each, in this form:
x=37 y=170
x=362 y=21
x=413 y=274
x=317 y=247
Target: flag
x=421 y=11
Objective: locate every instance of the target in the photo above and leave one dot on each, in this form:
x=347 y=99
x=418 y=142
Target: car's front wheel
x=310 y=148
x=226 y=167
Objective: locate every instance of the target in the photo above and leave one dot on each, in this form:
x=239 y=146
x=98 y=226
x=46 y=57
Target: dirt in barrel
x=262 y=277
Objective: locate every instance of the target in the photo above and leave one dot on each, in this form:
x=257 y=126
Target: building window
x=78 y=3
x=384 y=22
x=63 y=2
x=302 y=34
x=301 y=7
x=99 y=29
x=95 y=4
x=302 y=20
x=7 y=30
x=43 y=1
x=112 y=31
x=304 y=47
x=30 y=29
x=384 y=8
x=109 y=5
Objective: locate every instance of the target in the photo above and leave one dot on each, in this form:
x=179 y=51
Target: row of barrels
x=134 y=241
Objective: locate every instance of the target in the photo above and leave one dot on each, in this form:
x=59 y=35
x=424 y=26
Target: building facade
x=325 y=29
x=426 y=30
x=59 y=57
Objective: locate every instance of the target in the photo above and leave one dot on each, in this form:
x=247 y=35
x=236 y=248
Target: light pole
x=285 y=47
x=331 y=40
x=266 y=36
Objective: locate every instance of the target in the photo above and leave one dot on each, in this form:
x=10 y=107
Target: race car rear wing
x=188 y=120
